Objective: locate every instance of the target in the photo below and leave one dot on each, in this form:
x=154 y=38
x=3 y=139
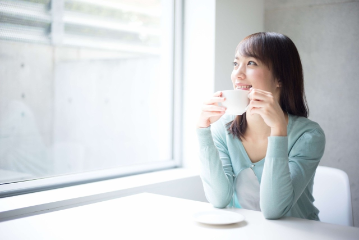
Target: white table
x=151 y=216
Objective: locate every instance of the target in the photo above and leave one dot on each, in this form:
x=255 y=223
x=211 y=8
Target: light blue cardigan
x=285 y=174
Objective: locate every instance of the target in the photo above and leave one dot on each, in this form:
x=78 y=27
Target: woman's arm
x=216 y=168
x=285 y=178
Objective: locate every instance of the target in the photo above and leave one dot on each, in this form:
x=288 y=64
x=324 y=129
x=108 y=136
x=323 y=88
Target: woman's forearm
x=276 y=192
x=285 y=177
x=218 y=185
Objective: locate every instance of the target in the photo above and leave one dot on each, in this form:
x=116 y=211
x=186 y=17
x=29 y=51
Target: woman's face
x=250 y=72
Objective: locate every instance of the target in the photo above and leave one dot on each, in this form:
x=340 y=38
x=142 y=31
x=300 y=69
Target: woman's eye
x=252 y=63
x=235 y=64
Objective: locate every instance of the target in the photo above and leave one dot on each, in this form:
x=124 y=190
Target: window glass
x=85 y=85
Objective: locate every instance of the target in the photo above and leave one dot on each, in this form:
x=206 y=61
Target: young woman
x=266 y=158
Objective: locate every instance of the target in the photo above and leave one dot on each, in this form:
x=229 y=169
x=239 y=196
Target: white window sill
x=27 y=204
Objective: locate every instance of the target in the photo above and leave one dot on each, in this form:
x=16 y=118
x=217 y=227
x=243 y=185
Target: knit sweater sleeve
x=216 y=167
x=285 y=177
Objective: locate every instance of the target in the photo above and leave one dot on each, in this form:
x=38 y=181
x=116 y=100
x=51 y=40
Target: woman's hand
x=264 y=104
x=211 y=111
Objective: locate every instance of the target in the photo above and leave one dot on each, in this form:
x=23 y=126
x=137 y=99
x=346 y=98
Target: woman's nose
x=240 y=71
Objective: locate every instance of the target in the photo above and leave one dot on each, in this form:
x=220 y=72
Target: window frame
x=43 y=184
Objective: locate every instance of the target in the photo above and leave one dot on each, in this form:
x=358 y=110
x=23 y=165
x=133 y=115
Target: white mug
x=236 y=101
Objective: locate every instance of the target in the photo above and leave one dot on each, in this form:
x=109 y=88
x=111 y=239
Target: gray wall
x=235 y=19
x=326 y=34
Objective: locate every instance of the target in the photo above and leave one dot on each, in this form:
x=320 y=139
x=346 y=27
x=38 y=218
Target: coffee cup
x=236 y=101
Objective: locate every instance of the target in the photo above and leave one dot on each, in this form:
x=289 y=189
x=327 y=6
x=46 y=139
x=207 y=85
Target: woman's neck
x=257 y=129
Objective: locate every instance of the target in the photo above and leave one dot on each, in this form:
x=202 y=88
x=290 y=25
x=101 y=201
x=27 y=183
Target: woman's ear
x=279 y=84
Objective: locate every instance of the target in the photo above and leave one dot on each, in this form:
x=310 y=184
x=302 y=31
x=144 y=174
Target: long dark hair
x=281 y=56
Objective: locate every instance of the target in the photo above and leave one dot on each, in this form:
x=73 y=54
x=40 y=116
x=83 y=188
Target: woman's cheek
x=255 y=74
x=258 y=79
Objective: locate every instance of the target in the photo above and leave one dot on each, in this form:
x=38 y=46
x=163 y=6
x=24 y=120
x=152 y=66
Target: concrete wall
x=24 y=80
x=65 y=110
x=26 y=118
x=100 y=107
x=326 y=34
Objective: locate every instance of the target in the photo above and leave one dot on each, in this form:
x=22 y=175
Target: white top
x=247 y=189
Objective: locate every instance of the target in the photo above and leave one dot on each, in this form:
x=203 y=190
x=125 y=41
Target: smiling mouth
x=243 y=87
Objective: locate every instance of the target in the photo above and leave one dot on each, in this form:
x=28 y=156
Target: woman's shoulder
x=302 y=123
x=301 y=127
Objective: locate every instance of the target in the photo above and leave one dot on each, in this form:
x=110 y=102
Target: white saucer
x=218 y=217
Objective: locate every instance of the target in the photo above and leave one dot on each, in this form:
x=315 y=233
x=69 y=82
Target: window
x=89 y=90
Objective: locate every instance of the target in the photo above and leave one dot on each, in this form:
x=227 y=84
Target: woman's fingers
x=256 y=105
x=259 y=90
x=211 y=111
x=214 y=100
x=217 y=97
x=217 y=94
x=256 y=111
x=211 y=114
x=259 y=95
x=211 y=108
